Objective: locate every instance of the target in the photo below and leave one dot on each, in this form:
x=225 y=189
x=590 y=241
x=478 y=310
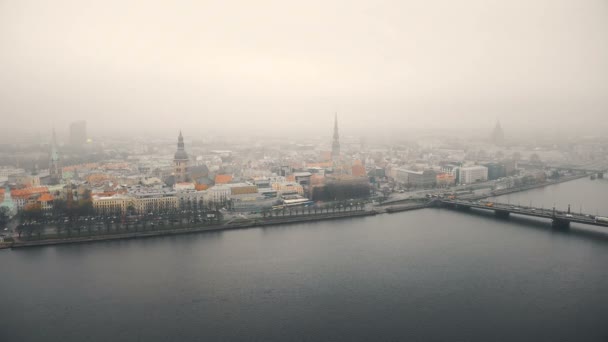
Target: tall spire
x=180 y=161
x=498 y=135
x=180 y=141
x=54 y=161
x=54 y=152
x=180 y=154
x=335 y=146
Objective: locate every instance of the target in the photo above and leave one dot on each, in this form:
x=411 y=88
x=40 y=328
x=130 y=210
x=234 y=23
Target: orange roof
x=290 y=178
x=223 y=179
x=26 y=192
x=200 y=187
x=46 y=198
x=358 y=170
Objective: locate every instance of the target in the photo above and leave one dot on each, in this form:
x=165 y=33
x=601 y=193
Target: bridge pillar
x=502 y=213
x=560 y=223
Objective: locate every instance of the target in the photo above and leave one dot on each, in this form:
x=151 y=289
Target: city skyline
x=321 y=170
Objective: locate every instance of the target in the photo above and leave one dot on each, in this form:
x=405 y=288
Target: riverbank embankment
x=250 y=223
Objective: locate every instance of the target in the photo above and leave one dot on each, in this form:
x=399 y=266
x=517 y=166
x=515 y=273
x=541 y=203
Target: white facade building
x=472 y=174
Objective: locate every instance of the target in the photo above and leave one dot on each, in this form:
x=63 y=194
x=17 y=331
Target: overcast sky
x=287 y=66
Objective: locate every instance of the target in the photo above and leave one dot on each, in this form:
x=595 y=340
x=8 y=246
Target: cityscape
x=303 y=171
x=146 y=190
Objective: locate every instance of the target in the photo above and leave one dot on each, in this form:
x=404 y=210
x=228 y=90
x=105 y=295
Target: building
x=24 y=180
x=191 y=199
x=496 y=170
x=8 y=202
x=498 y=136
x=341 y=187
x=358 y=171
x=473 y=174
x=78 y=133
x=246 y=197
x=222 y=179
x=5 y=172
x=180 y=162
x=46 y=202
x=335 y=145
x=153 y=201
x=445 y=180
x=185 y=186
x=23 y=197
x=218 y=194
x=116 y=204
x=288 y=187
x=303 y=178
x=416 y=179
x=55 y=171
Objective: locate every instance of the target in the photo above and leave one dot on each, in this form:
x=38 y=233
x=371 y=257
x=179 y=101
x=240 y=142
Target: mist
x=284 y=68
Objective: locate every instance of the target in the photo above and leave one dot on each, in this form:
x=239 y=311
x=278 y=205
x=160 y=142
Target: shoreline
x=190 y=230
x=252 y=223
x=535 y=186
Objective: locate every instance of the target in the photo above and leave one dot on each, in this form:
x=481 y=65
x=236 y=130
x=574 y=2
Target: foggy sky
x=286 y=66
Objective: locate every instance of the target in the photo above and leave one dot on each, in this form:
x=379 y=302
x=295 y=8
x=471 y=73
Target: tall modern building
x=180 y=162
x=78 y=133
x=335 y=145
x=54 y=162
x=498 y=136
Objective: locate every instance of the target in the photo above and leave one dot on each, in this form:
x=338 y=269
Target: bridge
x=559 y=219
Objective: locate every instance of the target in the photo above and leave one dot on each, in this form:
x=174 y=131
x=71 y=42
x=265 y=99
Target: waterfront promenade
x=240 y=224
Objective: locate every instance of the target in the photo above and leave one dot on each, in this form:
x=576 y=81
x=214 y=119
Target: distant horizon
x=243 y=67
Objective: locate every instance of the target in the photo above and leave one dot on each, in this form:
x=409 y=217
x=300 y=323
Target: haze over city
x=303 y=170
x=283 y=68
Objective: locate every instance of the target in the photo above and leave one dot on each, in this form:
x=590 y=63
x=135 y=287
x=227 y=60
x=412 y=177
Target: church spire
x=180 y=141
x=54 y=161
x=498 y=135
x=180 y=161
x=335 y=146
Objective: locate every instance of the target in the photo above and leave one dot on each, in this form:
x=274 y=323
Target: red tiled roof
x=358 y=170
x=223 y=179
x=26 y=192
x=46 y=198
x=200 y=187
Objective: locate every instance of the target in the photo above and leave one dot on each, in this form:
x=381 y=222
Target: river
x=426 y=275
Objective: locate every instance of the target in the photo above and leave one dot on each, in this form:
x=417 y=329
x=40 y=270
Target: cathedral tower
x=180 y=162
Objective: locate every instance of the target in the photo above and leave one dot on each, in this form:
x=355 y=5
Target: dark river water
x=427 y=275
